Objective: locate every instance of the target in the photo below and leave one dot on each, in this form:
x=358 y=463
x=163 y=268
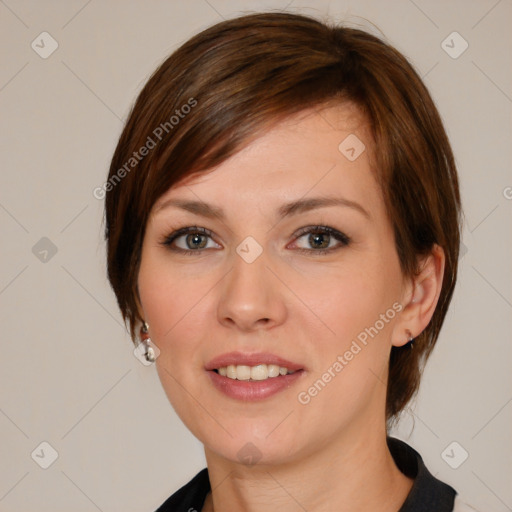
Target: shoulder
x=190 y=497
x=460 y=506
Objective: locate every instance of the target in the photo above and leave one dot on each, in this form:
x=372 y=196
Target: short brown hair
x=242 y=75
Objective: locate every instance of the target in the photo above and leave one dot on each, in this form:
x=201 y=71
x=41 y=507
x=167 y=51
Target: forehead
x=322 y=149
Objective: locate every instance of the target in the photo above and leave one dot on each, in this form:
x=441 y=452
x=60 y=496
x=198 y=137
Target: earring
x=149 y=353
x=410 y=341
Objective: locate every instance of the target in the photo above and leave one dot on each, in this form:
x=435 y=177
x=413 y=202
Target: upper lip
x=239 y=358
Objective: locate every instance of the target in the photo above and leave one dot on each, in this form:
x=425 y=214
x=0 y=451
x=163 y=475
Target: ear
x=420 y=298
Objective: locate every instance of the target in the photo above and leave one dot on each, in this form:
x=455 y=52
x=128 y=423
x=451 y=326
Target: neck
x=354 y=473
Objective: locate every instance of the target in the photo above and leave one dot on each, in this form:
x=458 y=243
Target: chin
x=248 y=451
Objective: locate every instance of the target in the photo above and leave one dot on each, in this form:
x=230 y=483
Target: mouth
x=253 y=373
x=256 y=366
x=250 y=377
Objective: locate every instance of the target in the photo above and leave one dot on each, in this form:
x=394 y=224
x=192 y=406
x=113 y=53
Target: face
x=272 y=274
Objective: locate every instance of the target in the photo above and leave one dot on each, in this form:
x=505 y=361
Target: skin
x=330 y=454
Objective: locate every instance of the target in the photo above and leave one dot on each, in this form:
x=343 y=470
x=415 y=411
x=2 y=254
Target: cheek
x=356 y=305
x=161 y=301
x=154 y=289
x=350 y=299
x=164 y=292
x=174 y=303
x=172 y=306
x=351 y=358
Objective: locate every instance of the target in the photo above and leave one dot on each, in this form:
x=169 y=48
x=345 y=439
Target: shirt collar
x=427 y=492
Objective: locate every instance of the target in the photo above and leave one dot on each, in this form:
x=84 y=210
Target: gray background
x=68 y=376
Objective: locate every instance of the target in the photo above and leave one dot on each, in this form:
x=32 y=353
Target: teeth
x=258 y=372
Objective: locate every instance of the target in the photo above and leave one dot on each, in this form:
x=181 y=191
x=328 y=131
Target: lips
x=239 y=358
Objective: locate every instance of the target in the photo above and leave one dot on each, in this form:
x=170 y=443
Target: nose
x=251 y=296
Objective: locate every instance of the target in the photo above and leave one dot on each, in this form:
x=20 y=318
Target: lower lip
x=250 y=391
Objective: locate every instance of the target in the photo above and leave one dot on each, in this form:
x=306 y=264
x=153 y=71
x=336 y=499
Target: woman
x=283 y=228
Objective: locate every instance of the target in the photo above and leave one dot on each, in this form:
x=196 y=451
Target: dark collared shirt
x=428 y=494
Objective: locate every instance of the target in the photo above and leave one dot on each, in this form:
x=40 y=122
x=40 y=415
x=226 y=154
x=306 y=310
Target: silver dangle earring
x=410 y=341
x=149 y=353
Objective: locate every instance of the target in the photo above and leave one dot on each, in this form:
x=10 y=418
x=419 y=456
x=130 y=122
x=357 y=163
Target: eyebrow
x=286 y=210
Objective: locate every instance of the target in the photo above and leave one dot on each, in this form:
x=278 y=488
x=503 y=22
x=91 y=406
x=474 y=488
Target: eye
x=320 y=238
x=194 y=239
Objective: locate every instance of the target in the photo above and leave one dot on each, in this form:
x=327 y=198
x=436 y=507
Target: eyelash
x=337 y=235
